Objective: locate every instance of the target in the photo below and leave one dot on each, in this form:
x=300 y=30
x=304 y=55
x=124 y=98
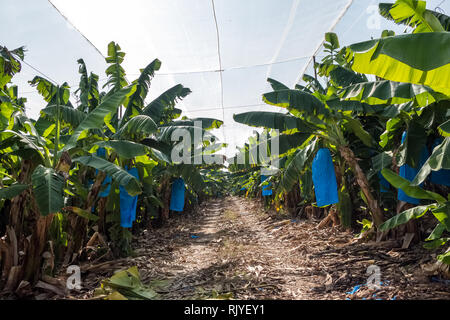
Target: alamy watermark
x=374 y=279
x=74 y=280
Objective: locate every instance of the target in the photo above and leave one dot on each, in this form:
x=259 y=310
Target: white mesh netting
x=223 y=50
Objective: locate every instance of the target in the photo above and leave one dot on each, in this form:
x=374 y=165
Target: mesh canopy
x=223 y=50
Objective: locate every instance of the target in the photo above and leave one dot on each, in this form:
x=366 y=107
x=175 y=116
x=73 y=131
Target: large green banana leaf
x=286 y=142
x=411 y=190
x=295 y=99
x=124 y=148
x=420 y=58
x=48 y=190
x=88 y=88
x=295 y=166
x=442 y=213
x=381 y=161
x=439 y=159
x=84 y=84
x=390 y=92
x=313 y=83
x=68 y=114
x=276 y=85
x=272 y=120
x=167 y=99
x=382 y=110
x=6 y=111
x=136 y=100
x=414 y=14
x=444 y=129
x=9 y=63
x=50 y=92
x=115 y=72
x=206 y=123
x=138 y=125
x=96 y=118
x=12 y=191
x=415 y=141
x=31 y=141
x=355 y=126
x=158 y=145
x=165 y=133
x=405 y=216
x=128 y=285
x=342 y=77
x=128 y=181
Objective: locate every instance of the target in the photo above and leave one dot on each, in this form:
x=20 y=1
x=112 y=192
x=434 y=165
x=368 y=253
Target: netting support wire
x=220 y=70
x=88 y=41
x=338 y=19
x=73 y=26
x=38 y=71
x=439 y=7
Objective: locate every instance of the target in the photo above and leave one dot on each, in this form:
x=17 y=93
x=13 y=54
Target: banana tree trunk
x=19 y=202
x=361 y=178
x=79 y=224
x=16 y=232
x=36 y=248
x=166 y=191
x=292 y=198
x=101 y=223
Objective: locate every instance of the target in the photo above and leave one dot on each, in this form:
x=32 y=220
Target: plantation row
x=373 y=151
x=365 y=140
x=99 y=169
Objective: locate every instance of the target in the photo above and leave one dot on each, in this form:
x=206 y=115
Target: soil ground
x=232 y=248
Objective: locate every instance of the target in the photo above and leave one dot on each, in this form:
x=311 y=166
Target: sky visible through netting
x=223 y=50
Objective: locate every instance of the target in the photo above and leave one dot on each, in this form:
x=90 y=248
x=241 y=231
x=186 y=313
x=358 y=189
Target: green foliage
x=124 y=148
x=129 y=182
x=294 y=99
x=414 y=14
x=161 y=109
x=96 y=118
x=405 y=58
x=13 y=190
x=48 y=190
x=359 y=121
x=10 y=64
x=136 y=101
x=405 y=216
x=125 y=285
x=272 y=120
x=408 y=188
x=439 y=159
x=115 y=72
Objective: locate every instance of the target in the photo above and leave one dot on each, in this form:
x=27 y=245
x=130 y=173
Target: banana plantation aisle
x=232 y=248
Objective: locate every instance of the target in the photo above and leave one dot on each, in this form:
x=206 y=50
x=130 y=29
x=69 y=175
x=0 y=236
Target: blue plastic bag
x=442 y=176
x=177 y=196
x=266 y=190
x=384 y=184
x=101 y=152
x=409 y=173
x=324 y=178
x=128 y=204
x=105 y=192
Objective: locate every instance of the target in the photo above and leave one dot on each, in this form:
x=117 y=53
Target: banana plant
x=418 y=58
x=309 y=114
x=439 y=207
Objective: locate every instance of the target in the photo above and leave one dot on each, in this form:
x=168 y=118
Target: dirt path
x=231 y=248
